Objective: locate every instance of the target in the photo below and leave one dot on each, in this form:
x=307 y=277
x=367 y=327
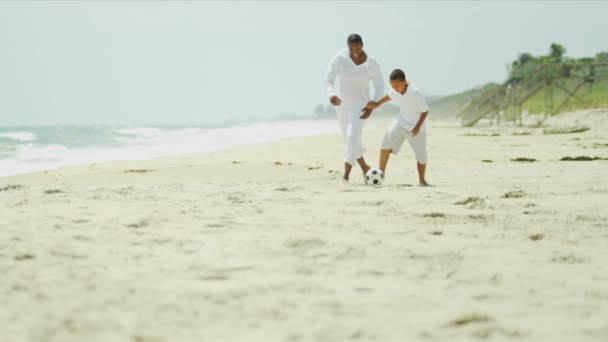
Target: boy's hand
x=335 y=100
x=372 y=105
x=415 y=131
x=366 y=113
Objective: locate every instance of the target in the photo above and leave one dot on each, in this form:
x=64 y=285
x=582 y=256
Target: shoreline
x=263 y=243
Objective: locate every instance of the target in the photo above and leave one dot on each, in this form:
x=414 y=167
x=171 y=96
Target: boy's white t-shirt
x=411 y=106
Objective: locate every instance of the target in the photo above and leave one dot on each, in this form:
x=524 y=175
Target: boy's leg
x=391 y=143
x=421 y=174
x=418 y=144
x=384 y=155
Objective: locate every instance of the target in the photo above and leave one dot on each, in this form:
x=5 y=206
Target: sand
x=263 y=243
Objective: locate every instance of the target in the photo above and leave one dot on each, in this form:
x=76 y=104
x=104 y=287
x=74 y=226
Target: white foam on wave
x=151 y=142
x=19 y=136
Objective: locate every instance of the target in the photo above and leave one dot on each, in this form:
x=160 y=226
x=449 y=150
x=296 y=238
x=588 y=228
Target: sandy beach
x=263 y=243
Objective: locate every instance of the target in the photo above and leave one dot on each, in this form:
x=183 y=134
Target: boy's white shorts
x=396 y=135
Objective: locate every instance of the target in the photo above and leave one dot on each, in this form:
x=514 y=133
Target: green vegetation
x=563 y=74
x=452 y=104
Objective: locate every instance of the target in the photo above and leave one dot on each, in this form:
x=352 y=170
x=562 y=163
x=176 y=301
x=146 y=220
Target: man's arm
x=330 y=79
x=378 y=80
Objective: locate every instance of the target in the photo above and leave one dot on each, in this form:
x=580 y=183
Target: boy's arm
x=424 y=108
x=371 y=105
x=374 y=105
x=416 y=128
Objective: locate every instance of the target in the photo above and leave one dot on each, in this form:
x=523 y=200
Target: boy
x=409 y=123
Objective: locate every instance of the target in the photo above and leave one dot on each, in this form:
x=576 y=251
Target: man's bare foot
x=423 y=183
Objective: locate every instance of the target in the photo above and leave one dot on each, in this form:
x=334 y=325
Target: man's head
x=355 y=45
x=398 y=81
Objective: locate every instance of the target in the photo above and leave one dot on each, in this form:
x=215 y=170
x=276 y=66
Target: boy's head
x=355 y=45
x=398 y=81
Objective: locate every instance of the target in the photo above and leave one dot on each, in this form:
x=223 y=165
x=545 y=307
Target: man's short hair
x=397 y=74
x=354 y=38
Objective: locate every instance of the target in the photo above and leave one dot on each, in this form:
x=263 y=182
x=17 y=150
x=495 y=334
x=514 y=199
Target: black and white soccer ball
x=374 y=177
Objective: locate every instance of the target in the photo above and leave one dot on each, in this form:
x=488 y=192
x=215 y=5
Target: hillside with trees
x=538 y=69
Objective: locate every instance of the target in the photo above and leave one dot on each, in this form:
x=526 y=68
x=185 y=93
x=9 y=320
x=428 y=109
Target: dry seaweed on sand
x=582 y=158
x=523 y=160
x=566 y=130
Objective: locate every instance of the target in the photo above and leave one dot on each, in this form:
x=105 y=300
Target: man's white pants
x=351 y=127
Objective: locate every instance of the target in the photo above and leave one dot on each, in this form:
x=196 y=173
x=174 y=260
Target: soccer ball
x=374 y=177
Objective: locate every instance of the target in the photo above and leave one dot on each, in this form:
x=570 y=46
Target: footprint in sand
x=514 y=194
x=472 y=202
x=479 y=217
x=11 y=187
x=304 y=243
x=23 y=256
x=138 y=171
x=52 y=191
x=567 y=259
x=434 y=214
x=286 y=189
x=469 y=319
x=138 y=224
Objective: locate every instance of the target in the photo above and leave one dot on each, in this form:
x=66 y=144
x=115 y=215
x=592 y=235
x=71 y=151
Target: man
x=355 y=69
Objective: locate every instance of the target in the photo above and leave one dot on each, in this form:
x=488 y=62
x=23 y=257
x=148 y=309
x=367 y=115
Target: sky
x=201 y=62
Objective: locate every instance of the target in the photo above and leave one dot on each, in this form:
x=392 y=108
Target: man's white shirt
x=354 y=79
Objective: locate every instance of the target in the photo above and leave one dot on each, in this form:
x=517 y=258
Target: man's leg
x=343 y=125
x=354 y=146
x=363 y=164
x=347 y=169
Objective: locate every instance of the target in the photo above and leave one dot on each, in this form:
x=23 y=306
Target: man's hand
x=415 y=131
x=366 y=113
x=335 y=100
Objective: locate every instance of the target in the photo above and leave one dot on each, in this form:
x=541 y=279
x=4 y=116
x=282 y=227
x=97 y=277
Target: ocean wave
x=19 y=136
x=139 y=143
x=31 y=152
x=140 y=131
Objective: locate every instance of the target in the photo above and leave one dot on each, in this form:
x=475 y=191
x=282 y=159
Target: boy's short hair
x=354 y=38
x=397 y=74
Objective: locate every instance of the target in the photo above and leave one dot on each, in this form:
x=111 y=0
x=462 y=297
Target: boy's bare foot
x=366 y=168
x=423 y=183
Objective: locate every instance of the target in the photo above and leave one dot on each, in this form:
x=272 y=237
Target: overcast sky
x=207 y=62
